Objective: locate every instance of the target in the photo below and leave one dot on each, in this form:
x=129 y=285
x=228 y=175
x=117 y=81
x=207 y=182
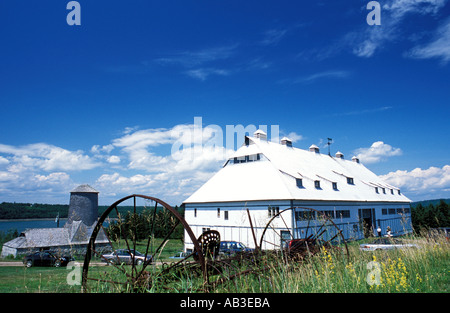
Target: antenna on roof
x=330 y=141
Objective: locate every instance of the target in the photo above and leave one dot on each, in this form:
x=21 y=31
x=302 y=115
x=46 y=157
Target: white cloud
x=190 y=59
x=3 y=161
x=37 y=172
x=200 y=64
x=294 y=136
x=47 y=157
x=96 y=149
x=399 y=8
x=273 y=36
x=31 y=186
x=369 y=39
x=438 y=48
x=176 y=161
x=191 y=146
x=325 y=75
x=379 y=151
x=422 y=183
x=203 y=73
x=364 y=111
x=114 y=159
x=55 y=179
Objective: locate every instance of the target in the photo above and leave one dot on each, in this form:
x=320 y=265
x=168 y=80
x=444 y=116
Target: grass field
x=424 y=270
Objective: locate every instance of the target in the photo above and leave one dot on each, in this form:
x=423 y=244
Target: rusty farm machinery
x=203 y=268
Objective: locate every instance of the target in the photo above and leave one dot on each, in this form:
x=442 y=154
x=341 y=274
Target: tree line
x=9 y=210
x=160 y=223
x=13 y=210
x=424 y=217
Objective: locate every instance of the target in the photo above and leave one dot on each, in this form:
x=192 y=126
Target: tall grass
x=423 y=269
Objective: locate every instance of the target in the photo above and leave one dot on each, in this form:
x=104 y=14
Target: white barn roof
x=270 y=171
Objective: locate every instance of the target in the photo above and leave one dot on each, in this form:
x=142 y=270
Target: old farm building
x=267 y=177
x=72 y=238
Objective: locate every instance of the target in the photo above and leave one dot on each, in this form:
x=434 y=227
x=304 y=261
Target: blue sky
x=104 y=102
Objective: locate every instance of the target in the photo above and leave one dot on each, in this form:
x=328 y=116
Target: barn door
x=366 y=220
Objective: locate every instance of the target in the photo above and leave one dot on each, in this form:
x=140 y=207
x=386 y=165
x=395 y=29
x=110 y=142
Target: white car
x=125 y=256
x=385 y=244
x=179 y=255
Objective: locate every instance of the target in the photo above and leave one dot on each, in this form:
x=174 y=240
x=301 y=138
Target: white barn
x=267 y=177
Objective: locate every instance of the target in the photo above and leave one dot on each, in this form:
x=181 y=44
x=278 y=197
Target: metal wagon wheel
x=130 y=271
x=219 y=270
x=314 y=232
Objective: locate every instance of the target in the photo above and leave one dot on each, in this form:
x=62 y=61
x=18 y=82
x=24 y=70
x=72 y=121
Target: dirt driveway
x=11 y=264
x=21 y=264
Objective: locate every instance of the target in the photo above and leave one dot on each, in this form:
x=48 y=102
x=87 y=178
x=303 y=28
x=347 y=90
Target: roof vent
x=339 y=155
x=314 y=148
x=286 y=142
x=355 y=159
x=260 y=134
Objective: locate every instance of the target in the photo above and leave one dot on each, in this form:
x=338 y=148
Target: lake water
x=21 y=225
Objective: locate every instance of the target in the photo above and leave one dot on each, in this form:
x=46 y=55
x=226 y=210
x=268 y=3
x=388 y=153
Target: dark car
x=232 y=247
x=46 y=258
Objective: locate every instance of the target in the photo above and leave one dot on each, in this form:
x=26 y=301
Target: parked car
x=232 y=247
x=387 y=243
x=179 y=255
x=46 y=258
x=436 y=233
x=125 y=256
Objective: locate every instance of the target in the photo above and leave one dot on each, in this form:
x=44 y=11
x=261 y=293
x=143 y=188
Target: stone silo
x=83 y=205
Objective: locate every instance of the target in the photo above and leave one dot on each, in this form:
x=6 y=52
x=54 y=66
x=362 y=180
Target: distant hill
x=15 y=210
x=428 y=202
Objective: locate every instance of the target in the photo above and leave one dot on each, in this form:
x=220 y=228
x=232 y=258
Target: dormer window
x=334 y=186
x=286 y=142
x=299 y=182
x=350 y=181
x=317 y=184
x=376 y=189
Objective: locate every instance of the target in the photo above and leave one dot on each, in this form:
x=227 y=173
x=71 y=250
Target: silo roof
x=84 y=188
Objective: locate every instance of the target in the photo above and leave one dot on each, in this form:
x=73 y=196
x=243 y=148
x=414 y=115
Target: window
x=299 y=182
x=342 y=213
x=384 y=211
x=245 y=159
x=328 y=213
x=218 y=212
x=317 y=184
x=273 y=210
x=335 y=186
x=195 y=212
x=391 y=211
x=384 y=190
x=225 y=215
x=350 y=181
x=304 y=215
x=399 y=192
x=376 y=189
x=392 y=191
